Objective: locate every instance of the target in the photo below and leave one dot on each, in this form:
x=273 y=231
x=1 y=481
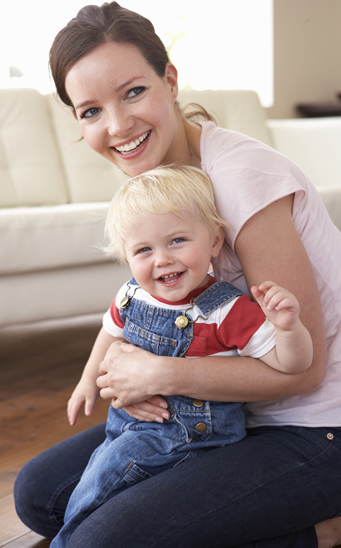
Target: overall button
x=181 y=322
x=201 y=427
x=198 y=403
x=330 y=436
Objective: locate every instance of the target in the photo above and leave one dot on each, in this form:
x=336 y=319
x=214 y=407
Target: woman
x=271 y=488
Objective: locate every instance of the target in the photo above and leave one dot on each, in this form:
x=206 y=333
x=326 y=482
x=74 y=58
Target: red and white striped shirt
x=237 y=327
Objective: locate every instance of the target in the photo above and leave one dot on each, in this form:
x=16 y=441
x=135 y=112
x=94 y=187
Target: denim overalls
x=135 y=450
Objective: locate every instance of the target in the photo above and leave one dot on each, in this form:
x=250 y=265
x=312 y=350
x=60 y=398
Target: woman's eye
x=135 y=92
x=90 y=113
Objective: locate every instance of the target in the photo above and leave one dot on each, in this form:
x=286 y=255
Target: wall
x=307 y=54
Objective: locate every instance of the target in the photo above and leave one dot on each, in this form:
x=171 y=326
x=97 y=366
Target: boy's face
x=170 y=256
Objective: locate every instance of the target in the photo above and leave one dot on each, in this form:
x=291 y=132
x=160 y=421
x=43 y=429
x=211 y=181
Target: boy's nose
x=163 y=258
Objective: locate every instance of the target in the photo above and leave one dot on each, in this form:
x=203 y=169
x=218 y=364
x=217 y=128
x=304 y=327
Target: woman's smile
x=132 y=146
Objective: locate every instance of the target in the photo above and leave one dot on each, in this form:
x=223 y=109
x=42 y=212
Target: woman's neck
x=193 y=135
x=188 y=144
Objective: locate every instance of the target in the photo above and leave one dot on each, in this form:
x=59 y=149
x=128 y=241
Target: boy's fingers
x=88 y=408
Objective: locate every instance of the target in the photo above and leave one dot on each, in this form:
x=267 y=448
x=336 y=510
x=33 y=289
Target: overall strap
x=216 y=295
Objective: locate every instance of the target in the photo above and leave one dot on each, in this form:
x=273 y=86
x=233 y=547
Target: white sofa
x=54 y=194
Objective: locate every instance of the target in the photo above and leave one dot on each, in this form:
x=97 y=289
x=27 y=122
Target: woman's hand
x=154 y=409
x=128 y=376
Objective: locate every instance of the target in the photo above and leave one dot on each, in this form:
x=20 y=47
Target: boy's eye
x=90 y=113
x=135 y=92
x=143 y=250
x=178 y=240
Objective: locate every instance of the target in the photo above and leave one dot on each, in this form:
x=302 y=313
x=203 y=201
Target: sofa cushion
x=238 y=110
x=30 y=169
x=314 y=144
x=52 y=294
x=51 y=237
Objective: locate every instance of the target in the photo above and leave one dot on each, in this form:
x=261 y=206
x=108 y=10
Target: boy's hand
x=85 y=392
x=280 y=306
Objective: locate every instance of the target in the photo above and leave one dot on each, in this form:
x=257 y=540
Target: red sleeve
x=115 y=315
x=241 y=323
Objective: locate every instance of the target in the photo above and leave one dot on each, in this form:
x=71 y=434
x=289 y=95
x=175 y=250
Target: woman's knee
x=31 y=498
x=43 y=487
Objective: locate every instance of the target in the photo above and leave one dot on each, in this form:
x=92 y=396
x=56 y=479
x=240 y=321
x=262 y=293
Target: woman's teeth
x=128 y=147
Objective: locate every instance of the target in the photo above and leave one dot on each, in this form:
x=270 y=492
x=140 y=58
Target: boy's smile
x=170 y=256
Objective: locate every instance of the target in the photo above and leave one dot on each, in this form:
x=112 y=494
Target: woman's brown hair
x=95 y=25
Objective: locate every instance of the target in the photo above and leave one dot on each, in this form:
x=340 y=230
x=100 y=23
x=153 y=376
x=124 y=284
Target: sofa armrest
x=314 y=144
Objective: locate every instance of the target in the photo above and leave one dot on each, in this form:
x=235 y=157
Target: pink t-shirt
x=247 y=176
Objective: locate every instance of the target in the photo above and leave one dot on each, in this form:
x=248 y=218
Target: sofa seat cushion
x=50 y=237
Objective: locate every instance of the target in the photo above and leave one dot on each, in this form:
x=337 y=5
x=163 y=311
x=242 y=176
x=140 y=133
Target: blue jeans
x=266 y=491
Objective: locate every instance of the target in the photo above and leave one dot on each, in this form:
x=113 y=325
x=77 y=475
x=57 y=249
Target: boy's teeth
x=133 y=144
x=170 y=276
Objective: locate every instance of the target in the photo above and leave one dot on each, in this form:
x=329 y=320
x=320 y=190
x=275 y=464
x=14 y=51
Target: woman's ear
x=171 y=76
x=217 y=243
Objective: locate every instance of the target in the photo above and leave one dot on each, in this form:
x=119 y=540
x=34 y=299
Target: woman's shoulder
x=229 y=150
x=247 y=176
x=247 y=169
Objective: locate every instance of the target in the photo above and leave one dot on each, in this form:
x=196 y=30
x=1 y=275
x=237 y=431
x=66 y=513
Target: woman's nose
x=119 y=123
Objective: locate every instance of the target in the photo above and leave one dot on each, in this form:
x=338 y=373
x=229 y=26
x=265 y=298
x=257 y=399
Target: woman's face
x=126 y=111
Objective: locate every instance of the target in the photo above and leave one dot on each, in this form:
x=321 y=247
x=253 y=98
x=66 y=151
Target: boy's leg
x=266 y=491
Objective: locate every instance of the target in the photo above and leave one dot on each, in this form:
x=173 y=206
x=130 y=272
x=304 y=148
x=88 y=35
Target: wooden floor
x=38 y=371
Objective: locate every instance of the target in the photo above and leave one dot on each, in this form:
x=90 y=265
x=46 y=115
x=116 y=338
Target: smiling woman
x=281 y=478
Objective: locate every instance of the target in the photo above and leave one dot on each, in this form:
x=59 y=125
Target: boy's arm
x=293 y=352
x=86 y=390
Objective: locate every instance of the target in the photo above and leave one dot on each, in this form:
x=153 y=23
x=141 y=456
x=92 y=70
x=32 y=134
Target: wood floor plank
x=10 y=525
x=30 y=540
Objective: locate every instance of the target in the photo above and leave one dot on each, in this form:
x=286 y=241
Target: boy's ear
x=217 y=242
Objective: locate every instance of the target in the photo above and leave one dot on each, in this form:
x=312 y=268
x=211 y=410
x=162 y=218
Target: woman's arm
x=269 y=243
x=268 y=247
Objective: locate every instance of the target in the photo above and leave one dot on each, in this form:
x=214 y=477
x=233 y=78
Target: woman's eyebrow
x=127 y=83
x=85 y=103
x=119 y=88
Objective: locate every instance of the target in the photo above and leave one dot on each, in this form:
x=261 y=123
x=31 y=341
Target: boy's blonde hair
x=169 y=189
